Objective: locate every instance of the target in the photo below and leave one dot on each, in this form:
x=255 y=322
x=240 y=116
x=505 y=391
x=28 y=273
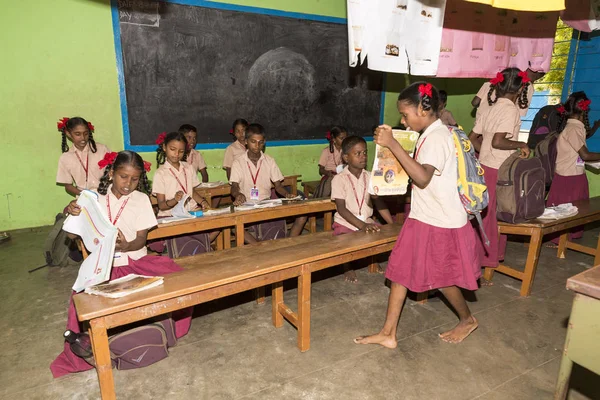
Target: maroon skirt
x=567 y=189
x=67 y=362
x=492 y=254
x=427 y=257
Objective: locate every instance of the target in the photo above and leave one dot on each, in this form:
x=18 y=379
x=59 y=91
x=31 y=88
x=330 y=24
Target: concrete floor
x=233 y=351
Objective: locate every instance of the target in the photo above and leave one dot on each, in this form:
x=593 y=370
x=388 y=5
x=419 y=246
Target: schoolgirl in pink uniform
x=437 y=247
x=123 y=193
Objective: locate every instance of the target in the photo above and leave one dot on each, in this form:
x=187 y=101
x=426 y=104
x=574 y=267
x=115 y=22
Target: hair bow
x=231 y=131
x=90 y=127
x=328 y=136
x=499 y=78
x=147 y=166
x=161 y=138
x=425 y=90
x=62 y=124
x=584 y=105
x=108 y=159
x=561 y=109
x=524 y=78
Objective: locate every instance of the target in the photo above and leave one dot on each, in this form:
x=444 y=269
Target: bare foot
x=460 y=331
x=350 y=276
x=485 y=282
x=380 y=269
x=381 y=339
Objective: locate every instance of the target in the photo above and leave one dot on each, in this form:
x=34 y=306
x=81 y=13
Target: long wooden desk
x=225 y=189
x=581 y=345
x=589 y=211
x=239 y=219
x=215 y=275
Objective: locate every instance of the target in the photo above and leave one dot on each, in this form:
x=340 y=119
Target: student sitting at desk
x=237 y=148
x=174 y=179
x=123 y=194
x=251 y=177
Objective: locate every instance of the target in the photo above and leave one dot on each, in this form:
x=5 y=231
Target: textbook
x=99 y=236
x=126 y=285
x=387 y=176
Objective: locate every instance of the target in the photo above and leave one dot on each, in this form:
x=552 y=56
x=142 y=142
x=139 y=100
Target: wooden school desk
x=239 y=219
x=225 y=189
x=581 y=345
x=589 y=211
x=310 y=187
x=215 y=275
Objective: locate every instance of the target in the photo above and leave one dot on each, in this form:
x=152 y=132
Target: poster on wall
x=401 y=36
x=479 y=40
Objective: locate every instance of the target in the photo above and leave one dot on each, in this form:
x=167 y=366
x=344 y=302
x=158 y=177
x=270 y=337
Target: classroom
x=135 y=69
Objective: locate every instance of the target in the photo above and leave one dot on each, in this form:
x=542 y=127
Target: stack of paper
x=99 y=236
x=126 y=285
x=559 y=212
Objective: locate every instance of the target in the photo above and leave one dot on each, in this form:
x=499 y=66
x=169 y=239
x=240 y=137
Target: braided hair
x=334 y=132
x=71 y=124
x=507 y=82
x=424 y=94
x=125 y=157
x=572 y=108
x=161 y=156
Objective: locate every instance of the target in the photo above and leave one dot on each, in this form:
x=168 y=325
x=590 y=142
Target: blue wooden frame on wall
x=222 y=6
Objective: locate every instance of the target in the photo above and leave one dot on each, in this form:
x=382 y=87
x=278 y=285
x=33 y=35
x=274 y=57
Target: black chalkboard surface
x=207 y=67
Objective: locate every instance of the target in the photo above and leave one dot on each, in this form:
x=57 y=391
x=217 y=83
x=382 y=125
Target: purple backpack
x=141 y=346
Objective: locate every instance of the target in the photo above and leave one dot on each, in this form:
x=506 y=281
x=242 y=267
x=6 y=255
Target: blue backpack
x=471 y=186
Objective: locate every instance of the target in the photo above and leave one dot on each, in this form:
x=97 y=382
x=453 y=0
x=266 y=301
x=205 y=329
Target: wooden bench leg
x=327 y=221
x=312 y=224
x=422 y=297
x=304 y=311
x=533 y=256
x=562 y=245
x=260 y=295
x=226 y=238
x=220 y=241
x=99 y=338
x=373 y=265
x=564 y=372
x=488 y=273
x=597 y=255
x=276 y=300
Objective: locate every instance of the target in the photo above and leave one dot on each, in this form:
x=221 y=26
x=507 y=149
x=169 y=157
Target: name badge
x=579 y=162
x=363 y=218
x=254 y=194
x=339 y=168
x=117 y=255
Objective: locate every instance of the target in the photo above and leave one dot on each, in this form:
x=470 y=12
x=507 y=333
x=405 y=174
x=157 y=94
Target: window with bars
x=549 y=89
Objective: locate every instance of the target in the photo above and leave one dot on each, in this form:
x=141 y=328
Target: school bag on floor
x=546 y=152
x=520 y=192
x=58 y=246
x=137 y=347
x=471 y=186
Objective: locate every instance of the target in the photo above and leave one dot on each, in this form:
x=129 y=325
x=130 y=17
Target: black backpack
x=58 y=246
x=546 y=121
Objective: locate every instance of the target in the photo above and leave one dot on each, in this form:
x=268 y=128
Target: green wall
x=59 y=60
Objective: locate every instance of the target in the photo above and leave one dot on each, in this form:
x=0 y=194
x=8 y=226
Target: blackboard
x=208 y=66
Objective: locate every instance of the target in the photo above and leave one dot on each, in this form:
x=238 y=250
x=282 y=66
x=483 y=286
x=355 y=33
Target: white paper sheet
x=99 y=236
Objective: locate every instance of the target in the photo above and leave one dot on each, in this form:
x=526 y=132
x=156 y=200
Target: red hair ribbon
x=584 y=105
x=147 y=166
x=499 y=78
x=161 y=138
x=524 y=78
x=425 y=90
x=231 y=131
x=328 y=136
x=561 y=109
x=62 y=124
x=90 y=127
x=108 y=159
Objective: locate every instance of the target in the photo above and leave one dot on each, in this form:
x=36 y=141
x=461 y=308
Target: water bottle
x=80 y=343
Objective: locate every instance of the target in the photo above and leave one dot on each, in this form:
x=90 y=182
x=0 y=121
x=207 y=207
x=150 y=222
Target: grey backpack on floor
x=58 y=246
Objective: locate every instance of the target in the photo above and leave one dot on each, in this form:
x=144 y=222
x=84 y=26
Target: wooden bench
x=589 y=211
x=310 y=187
x=581 y=344
x=211 y=276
